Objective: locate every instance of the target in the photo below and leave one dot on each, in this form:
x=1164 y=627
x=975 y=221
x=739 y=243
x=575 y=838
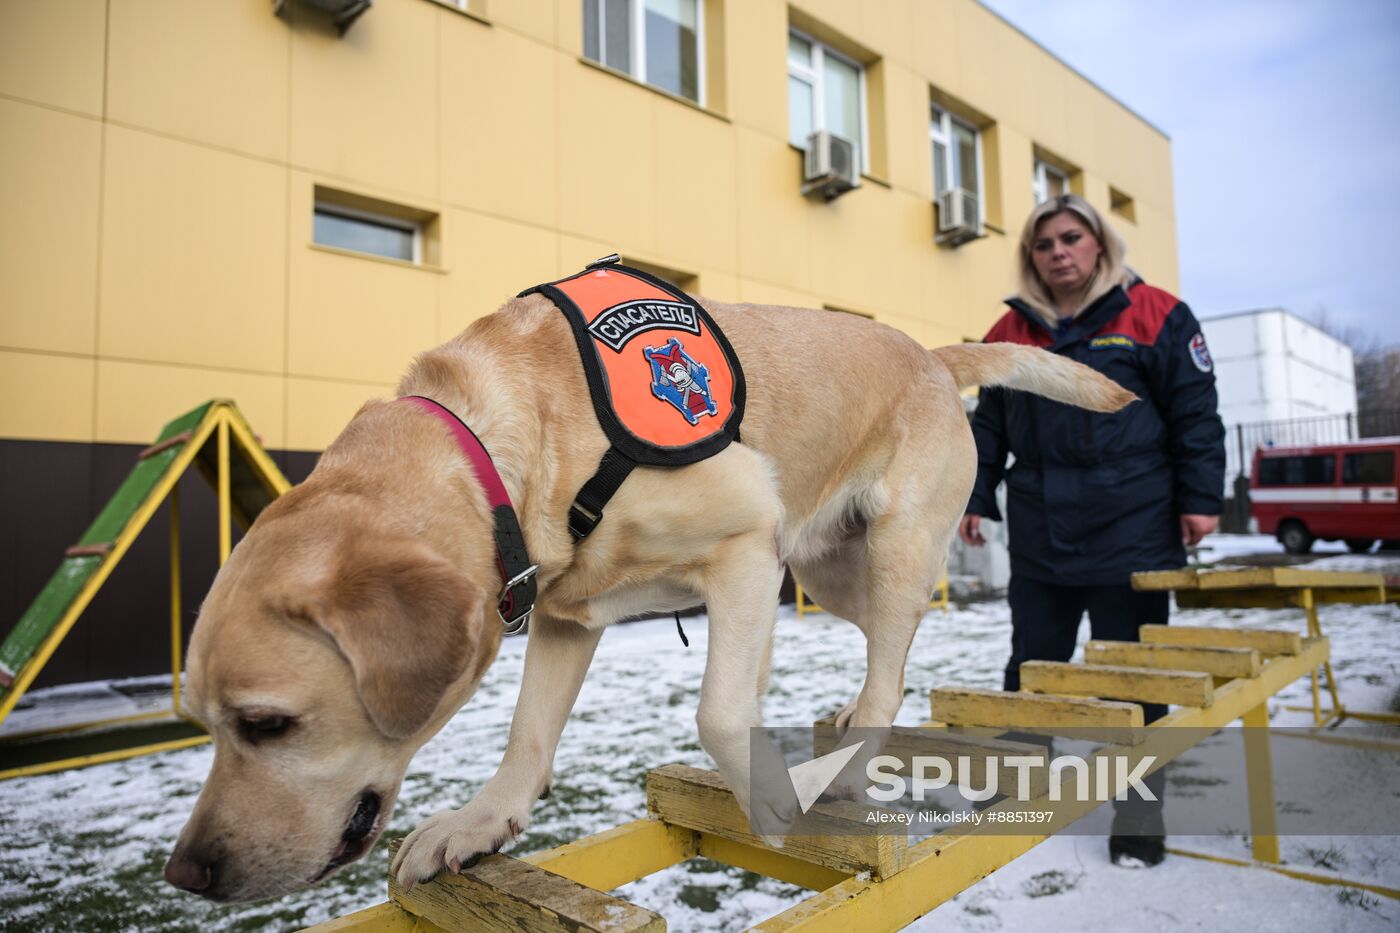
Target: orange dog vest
x=665 y=383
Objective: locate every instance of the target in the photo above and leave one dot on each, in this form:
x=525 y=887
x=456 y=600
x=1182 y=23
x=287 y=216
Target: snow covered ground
x=84 y=849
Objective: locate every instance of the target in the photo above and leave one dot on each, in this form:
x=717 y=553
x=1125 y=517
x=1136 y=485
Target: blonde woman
x=1093 y=498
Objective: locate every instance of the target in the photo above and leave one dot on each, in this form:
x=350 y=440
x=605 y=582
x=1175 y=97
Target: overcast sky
x=1284 y=117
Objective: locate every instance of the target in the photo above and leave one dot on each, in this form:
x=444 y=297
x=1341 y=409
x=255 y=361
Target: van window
x=1316 y=470
x=1372 y=468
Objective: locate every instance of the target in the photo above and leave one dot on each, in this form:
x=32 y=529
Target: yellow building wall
x=158 y=160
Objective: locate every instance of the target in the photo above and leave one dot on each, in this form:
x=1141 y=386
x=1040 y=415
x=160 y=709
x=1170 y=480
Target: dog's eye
x=264 y=727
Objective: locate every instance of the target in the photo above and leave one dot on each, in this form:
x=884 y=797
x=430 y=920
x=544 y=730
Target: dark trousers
x=1045 y=621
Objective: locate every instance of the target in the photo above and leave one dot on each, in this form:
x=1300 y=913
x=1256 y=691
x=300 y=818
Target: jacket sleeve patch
x=1200 y=355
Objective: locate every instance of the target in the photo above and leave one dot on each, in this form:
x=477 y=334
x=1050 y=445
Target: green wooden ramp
x=216 y=438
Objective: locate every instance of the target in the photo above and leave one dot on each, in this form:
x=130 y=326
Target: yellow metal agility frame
x=1281 y=588
x=864 y=884
x=805 y=605
x=221 y=423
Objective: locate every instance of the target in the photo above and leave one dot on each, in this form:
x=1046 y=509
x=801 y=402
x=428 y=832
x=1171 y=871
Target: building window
x=358 y=223
x=685 y=281
x=957 y=153
x=1049 y=182
x=364 y=232
x=826 y=91
x=1122 y=205
x=658 y=42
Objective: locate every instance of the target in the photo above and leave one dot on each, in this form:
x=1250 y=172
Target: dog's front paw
x=843 y=718
x=847 y=787
x=453 y=840
x=772 y=812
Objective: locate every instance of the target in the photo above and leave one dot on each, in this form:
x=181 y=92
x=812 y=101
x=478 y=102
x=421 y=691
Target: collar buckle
x=516 y=625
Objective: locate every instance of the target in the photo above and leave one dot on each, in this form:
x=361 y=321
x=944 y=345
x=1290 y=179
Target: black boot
x=1139 y=839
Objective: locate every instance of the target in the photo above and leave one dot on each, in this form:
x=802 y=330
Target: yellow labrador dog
x=358 y=615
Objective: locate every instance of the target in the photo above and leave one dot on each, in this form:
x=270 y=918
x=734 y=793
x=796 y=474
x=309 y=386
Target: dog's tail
x=1032 y=370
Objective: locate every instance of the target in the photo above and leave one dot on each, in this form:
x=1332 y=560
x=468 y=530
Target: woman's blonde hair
x=1108 y=273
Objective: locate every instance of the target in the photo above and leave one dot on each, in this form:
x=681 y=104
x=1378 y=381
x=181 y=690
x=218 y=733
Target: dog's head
x=329 y=649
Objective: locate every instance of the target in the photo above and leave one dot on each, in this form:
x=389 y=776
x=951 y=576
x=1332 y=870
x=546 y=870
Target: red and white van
x=1334 y=492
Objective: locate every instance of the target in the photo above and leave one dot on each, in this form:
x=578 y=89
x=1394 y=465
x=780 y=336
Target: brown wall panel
x=49 y=493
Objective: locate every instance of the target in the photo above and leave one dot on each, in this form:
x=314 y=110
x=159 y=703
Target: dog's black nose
x=191 y=871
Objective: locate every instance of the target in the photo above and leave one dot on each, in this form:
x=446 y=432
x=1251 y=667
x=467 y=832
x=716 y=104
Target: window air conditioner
x=959 y=217
x=342 y=12
x=829 y=165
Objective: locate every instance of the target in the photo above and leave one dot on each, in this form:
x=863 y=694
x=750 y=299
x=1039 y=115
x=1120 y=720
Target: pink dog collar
x=517 y=597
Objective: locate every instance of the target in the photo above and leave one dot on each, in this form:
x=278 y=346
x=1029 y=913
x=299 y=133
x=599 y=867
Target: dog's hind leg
x=556 y=660
x=904 y=561
x=906 y=550
x=901 y=572
x=741 y=583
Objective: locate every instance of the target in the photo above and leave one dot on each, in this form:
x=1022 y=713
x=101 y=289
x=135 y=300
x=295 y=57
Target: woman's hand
x=1193 y=527
x=970 y=530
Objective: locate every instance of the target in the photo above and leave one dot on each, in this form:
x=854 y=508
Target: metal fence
x=1241 y=440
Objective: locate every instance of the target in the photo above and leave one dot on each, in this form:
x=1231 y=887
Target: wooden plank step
x=501 y=894
x=1248 y=577
x=1218 y=662
x=1141 y=684
x=1024 y=712
x=835 y=835
x=1268 y=642
x=906 y=742
x=1184 y=579
x=1257 y=578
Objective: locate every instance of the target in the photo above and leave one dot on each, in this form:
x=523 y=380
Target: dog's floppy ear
x=406 y=621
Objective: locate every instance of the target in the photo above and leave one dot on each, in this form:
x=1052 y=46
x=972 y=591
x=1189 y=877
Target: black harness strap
x=684 y=316
x=587 y=510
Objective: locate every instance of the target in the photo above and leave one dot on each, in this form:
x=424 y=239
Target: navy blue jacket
x=1092 y=497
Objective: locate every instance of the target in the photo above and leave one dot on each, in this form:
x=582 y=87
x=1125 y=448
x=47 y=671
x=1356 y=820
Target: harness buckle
x=582 y=521
x=517 y=625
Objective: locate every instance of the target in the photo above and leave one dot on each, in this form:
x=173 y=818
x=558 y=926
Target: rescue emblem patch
x=1200 y=355
x=621 y=323
x=678 y=379
x=665 y=383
